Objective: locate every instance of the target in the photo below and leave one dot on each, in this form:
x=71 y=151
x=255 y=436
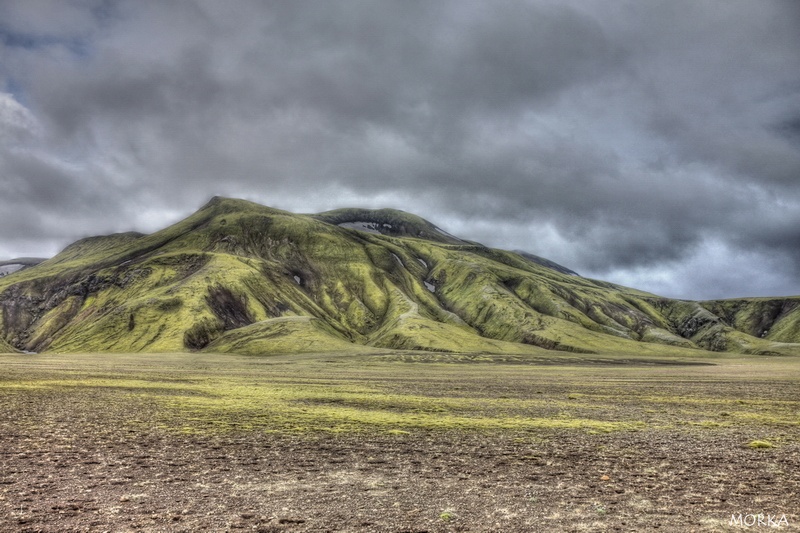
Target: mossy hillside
x=129 y=310
x=535 y=308
x=94 y=253
x=774 y=319
x=114 y=301
x=152 y=313
x=699 y=323
x=290 y=334
x=225 y=294
x=332 y=297
x=367 y=284
x=412 y=332
x=159 y=293
x=235 y=265
x=86 y=270
x=785 y=330
x=5 y=347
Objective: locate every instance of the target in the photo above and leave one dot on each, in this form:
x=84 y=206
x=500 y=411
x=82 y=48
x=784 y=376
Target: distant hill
x=20 y=263
x=243 y=278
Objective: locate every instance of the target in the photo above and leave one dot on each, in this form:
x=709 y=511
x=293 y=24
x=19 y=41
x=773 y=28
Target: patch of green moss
x=293 y=334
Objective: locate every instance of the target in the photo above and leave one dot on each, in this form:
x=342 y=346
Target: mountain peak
x=223 y=204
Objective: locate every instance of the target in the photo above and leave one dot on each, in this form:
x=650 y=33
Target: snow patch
x=398 y=260
x=369 y=227
x=298 y=280
x=422 y=262
x=5 y=270
x=430 y=286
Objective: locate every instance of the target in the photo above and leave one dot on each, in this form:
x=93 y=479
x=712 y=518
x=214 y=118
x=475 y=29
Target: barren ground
x=225 y=443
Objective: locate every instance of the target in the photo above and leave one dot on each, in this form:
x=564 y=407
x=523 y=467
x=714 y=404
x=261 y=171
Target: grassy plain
x=396 y=441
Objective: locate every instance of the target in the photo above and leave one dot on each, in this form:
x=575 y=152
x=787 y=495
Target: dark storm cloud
x=654 y=144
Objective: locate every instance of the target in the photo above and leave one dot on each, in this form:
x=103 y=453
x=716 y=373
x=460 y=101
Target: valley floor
x=401 y=442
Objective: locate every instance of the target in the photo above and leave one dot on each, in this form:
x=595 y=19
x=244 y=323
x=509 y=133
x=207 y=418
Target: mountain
x=240 y=277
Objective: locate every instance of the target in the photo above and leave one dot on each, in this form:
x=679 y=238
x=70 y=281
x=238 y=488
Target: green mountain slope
x=244 y=278
x=5 y=347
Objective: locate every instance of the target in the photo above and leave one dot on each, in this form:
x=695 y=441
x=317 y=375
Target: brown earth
x=71 y=478
x=93 y=443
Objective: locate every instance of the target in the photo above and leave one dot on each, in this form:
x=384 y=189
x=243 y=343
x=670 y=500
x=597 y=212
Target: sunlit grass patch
x=214 y=394
x=768 y=418
x=305 y=407
x=760 y=444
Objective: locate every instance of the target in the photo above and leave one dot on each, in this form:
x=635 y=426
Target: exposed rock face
x=236 y=276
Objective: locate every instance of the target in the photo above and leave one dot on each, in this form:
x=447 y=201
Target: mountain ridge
x=239 y=277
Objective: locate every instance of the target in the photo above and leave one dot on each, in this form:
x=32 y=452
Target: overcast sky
x=654 y=144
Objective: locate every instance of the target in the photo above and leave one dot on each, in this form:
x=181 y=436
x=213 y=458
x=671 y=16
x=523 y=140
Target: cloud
x=618 y=139
x=17 y=123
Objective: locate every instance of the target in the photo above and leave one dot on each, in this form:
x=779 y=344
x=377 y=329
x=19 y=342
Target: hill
x=240 y=277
